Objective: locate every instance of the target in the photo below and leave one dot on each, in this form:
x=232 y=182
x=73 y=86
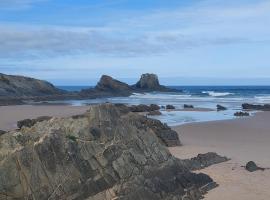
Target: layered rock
x=20 y=86
x=107 y=153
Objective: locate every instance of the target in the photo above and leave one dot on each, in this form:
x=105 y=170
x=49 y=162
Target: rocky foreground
x=106 y=153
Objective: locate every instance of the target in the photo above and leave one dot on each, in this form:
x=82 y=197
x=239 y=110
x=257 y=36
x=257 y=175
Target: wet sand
x=241 y=140
x=9 y=115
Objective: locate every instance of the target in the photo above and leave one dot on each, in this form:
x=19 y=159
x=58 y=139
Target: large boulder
x=107 y=153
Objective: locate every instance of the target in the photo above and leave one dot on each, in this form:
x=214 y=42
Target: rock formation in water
x=241 y=114
x=265 y=107
x=150 y=82
x=221 y=108
x=20 y=90
x=106 y=153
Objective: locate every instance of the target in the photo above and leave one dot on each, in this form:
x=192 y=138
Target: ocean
x=231 y=97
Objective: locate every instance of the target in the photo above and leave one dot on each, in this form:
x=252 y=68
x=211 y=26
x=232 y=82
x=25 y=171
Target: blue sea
x=231 y=97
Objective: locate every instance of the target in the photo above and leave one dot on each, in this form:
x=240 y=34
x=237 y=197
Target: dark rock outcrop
x=15 y=90
x=108 y=84
x=186 y=106
x=150 y=82
x=252 y=167
x=144 y=108
x=205 y=160
x=241 y=114
x=166 y=135
x=265 y=107
x=170 y=107
x=103 y=154
x=221 y=108
x=31 y=122
x=154 y=113
x=20 y=86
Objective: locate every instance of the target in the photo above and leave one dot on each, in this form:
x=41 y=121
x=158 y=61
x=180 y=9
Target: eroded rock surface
x=107 y=153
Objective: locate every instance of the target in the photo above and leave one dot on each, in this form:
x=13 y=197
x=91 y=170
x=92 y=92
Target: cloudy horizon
x=184 y=42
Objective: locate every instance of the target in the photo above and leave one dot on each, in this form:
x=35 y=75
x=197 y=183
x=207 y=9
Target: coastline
x=242 y=140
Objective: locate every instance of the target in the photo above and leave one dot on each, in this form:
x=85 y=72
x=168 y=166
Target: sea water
x=231 y=97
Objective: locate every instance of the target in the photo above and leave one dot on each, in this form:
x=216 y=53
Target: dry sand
x=242 y=140
x=9 y=115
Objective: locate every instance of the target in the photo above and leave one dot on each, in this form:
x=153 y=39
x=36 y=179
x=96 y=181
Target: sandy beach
x=241 y=140
x=9 y=115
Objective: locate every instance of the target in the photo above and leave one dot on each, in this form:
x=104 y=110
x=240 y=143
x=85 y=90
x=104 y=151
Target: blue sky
x=185 y=42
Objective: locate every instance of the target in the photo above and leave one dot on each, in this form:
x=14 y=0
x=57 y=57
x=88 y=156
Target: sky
x=185 y=42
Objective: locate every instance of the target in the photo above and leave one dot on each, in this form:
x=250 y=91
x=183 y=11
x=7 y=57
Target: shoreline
x=242 y=140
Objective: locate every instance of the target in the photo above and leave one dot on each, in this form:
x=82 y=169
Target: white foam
x=262 y=99
x=217 y=94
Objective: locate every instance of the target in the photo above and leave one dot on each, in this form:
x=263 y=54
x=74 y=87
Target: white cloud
x=158 y=32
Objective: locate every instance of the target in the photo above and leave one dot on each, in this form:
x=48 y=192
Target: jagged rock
x=241 y=114
x=265 y=107
x=103 y=154
x=170 y=107
x=20 y=86
x=144 y=108
x=153 y=113
x=188 y=106
x=204 y=160
x=166 y=135
x=150 y=82
x=31 y=122
x=108 y=84
x=221 y=108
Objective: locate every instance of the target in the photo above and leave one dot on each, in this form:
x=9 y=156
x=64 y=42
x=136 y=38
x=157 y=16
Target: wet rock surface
x=265 y=107
x=107 y=153
x=221 y=108
x=170 y=107
x=188 y=106
x=241 y=114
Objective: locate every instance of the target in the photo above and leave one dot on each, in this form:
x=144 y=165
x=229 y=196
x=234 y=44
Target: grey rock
x=251 y=166
x=265 y=107
x=188 y=106
x=221 y=108
x=154 y=113
x=113 y=156
x=31 y=122
x=204 y=160
x=144 y=108
x=241 y=114
x=20 y=86
x=170 y=107
x=150 y=82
